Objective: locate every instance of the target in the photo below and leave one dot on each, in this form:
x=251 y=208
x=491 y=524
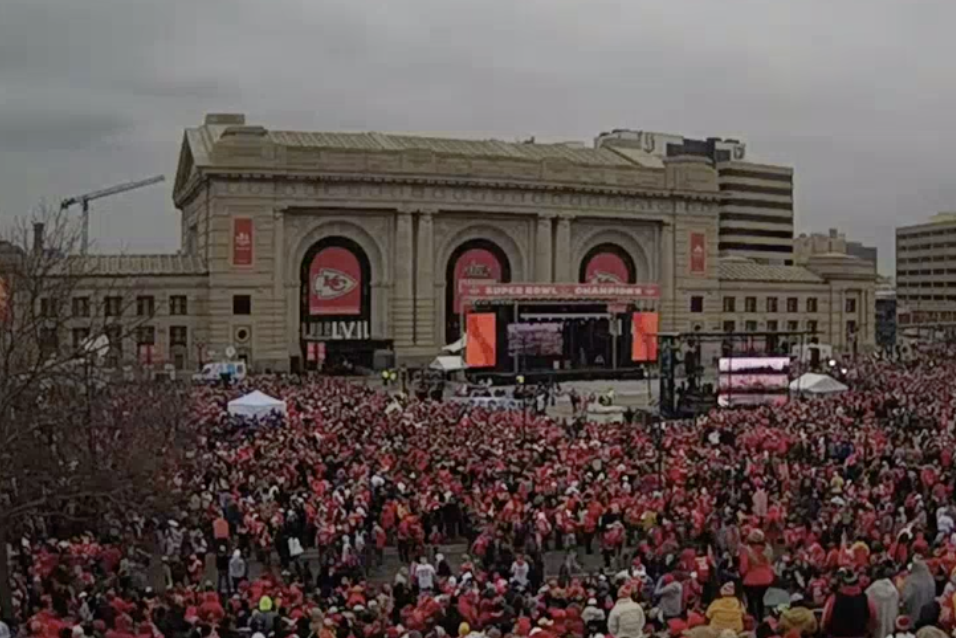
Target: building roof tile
x=491 y=148
x=745 y=270
x=144 y=264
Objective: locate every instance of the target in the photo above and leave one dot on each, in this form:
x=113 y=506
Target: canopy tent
x=256 y=404
x=448 y=364
x=455 y=347
x=813 y=383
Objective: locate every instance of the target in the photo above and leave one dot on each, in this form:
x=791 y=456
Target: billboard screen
x=481 y=340
x=751 y=381
x=335 y=283
x=535 y=339
x=753 y=364
x=644 y=328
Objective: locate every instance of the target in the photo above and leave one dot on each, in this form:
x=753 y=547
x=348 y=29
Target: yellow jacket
x=726 y=613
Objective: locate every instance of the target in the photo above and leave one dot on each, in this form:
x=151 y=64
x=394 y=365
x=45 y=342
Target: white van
x=235 y=370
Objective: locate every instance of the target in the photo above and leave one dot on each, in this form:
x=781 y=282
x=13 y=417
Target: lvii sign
x=344 y=330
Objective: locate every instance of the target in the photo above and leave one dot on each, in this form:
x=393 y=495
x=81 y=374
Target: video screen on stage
x=753 y=381
x=535 y=339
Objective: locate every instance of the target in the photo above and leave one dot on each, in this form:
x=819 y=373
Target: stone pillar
x=281 y=340
x=563 y=268
x=425 y=282
x=403 y=303
x=542 y=256
x=665 y=249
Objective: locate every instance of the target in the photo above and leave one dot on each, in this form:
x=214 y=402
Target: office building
x=926 y=271
x=756 y=199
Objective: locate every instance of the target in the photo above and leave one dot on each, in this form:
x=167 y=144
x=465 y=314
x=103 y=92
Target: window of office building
x=793 y=304
x=730 y=304
x=729 y=326
x=145 y=306
x=750 y=304
x=697 y=304
x=112 y=306
x=178 y=305
x=81 y=306
x=242 y=304
x=812 y=304
x=851 y=305
x=771 y=304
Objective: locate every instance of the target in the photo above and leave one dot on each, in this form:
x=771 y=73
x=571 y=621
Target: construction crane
x=84 y=202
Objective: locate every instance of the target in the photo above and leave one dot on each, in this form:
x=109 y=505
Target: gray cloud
x=856 y=95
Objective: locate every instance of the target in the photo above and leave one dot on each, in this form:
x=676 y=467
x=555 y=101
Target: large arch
x=302 y=234
x=365 y=276
x=502 y=273
x=373 y=247
x=512 y=247
x=629 y=276
x=585 y=242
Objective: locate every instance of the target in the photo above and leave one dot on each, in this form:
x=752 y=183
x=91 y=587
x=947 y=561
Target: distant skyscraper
x=756 y=212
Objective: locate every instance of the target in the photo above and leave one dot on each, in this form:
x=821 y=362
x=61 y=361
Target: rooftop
x=489 y=148
x=127 y=265
x=742 y=269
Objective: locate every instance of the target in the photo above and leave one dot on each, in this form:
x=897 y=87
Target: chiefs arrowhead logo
x=243 y=239
x=332 y=284
x=602 y=277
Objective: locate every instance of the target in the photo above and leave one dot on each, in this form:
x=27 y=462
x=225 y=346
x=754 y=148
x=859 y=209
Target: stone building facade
x=357 y=242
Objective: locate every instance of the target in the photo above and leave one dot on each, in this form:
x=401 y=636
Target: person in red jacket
x=757 y=572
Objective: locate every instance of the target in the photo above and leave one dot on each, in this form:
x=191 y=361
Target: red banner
x=606 y=268
x=546 y=292
x=475 y=265
x=481 y=340
x=242 y=239
x=335 y=283
x=698 y=253
x=644 y=329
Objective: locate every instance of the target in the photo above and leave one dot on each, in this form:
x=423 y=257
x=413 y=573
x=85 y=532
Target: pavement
x=453 y=553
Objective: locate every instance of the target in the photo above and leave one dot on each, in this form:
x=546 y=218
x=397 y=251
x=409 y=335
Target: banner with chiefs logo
x=475 y=265
x=698 y=253
x=335 y=283
x=606 y=268
x=242 y=241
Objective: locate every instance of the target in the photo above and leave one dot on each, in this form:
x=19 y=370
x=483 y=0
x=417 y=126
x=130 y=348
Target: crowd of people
x=832 y=516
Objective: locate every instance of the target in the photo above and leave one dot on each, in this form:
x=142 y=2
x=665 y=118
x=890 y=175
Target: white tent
x=455 y=347
x=256 y=404
x=448 y=364
x=812 y=383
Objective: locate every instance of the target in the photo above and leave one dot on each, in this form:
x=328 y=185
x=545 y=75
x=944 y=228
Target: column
x=542 y=257
x=563 y=268
x=665 y=249
x=281 y=338
x=425 y=280
x=403 y=304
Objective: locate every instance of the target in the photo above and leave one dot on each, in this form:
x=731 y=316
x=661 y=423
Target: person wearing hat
x=626 y=619
x=886 y=599
x=849 y=613
x=756 y=568
x=727 y=612
x=594 y=617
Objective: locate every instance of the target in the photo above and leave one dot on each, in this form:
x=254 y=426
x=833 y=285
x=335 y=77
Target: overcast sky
x=858 y=95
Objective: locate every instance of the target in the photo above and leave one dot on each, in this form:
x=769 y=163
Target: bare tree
x=77 y=439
